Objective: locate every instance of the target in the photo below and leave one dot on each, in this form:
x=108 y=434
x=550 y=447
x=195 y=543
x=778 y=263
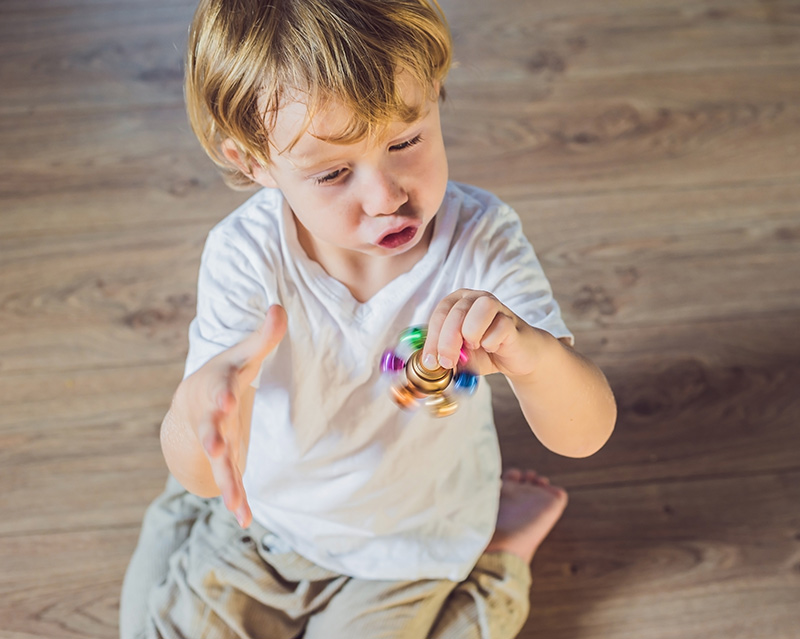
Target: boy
x=355 y=519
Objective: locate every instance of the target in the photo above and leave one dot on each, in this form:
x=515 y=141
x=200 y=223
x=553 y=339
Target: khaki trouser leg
x=492 y=603
x=196 y=574
x=166 y=526
x=229 y=583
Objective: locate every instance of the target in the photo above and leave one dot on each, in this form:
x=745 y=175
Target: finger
x=450 y=338
x=229 y=480
x=252 y=350
x=430 y=351
x=223 y=458
x=272 y=330
x=501 y=328
x=478 y=320
x=237 y=501
x=441 y=322
x=210 y=433
x=210 y=438
x=241 y=507
x=215 y=416
x=244 y=516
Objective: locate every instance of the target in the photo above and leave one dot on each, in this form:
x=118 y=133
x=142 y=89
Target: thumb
x=252 y=350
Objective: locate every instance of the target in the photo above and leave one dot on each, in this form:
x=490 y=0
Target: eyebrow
x=313 y=164
x=316 y=163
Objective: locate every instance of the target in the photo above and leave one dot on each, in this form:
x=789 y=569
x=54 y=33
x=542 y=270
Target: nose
x=382 y=194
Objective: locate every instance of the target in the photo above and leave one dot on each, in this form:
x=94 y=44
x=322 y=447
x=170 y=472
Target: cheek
x=433 y=175
x=437 y=161
x=335 y=215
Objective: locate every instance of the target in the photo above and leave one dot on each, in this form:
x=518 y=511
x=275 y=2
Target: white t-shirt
x=341 y=474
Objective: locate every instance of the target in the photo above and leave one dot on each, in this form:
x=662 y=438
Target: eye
x=407 y=144
x=330 y=177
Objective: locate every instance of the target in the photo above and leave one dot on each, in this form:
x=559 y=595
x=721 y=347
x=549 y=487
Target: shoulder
x=480 y=212
x=243 y=252
x=252 y=231
x=257 y=218
x=472 y=200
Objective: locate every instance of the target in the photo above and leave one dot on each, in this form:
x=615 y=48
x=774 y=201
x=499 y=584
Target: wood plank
x=62 y=57
x=113 y=170
x=653 y=153
x=96 y=300
x=37 y=399
x=623 y=260
x=652 y=130
x=122 y=55
x=685 y=559
x=514 y=40
x=175 y=197
x=616 y=260
x=12 y=6
x=630 y=142
x=76 y=150
x=81 y=450
x=695 y=400
x=78 y=599
x=99 y=493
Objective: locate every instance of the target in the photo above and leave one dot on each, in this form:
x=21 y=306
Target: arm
x=565 y=398
x=206 y=432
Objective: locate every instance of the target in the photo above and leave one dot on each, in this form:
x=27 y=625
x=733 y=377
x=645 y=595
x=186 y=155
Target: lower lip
x=395 y=240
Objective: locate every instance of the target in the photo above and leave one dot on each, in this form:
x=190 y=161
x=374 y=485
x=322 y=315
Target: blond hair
x=247 y=57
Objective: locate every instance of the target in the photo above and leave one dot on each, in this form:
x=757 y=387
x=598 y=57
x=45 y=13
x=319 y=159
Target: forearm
x=566 y=400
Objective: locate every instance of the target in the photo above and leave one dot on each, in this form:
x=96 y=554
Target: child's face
x=372 y=198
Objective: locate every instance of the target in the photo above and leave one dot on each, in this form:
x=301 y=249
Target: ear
x=257 y=173
x=438 y=90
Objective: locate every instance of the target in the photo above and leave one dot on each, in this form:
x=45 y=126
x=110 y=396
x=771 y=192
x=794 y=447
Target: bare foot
x=529 y=508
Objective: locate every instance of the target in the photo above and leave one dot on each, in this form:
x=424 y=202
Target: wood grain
x=673 y=559
x=653 y=153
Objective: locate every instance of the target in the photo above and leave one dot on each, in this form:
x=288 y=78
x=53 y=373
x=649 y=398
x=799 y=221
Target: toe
x=531 y=477
x=513 y=474
x=560 y=493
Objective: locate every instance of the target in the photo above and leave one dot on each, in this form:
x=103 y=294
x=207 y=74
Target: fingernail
x=444 y=362
x=429 y=362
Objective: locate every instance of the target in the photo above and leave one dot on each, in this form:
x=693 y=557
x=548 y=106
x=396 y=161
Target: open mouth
x=403 y=236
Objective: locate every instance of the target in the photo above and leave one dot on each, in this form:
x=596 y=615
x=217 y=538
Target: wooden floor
x=653 y=150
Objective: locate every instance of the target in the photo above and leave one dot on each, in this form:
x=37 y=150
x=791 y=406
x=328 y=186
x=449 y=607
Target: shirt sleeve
x=513 y=273
x=232 y=300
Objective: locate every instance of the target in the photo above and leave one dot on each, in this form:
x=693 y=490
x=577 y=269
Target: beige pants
x=196 y=575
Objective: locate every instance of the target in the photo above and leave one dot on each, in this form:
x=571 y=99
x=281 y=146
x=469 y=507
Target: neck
x=363 y=275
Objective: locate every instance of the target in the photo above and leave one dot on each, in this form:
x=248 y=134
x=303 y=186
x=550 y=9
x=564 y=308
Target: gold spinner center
x=425 y=379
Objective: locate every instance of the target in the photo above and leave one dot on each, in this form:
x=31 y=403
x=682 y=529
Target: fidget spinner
x=413 y=385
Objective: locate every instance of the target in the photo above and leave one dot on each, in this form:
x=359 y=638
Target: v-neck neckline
x=333 y=289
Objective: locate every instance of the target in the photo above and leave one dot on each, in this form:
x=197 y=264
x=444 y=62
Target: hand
x=217 y=402
x=497 y=341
